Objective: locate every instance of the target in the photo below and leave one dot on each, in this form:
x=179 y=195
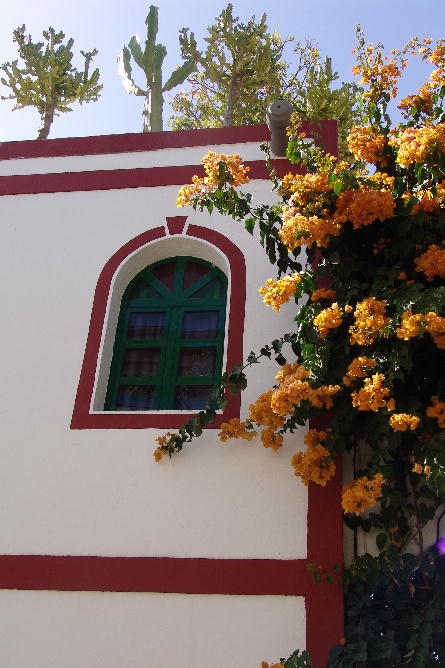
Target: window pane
x=141 y=362
x=197 y=362
x=135 y=398
x=142 y=290
x=191 y=397
x=193 y=272
x=166 y=274
x=214 y=289
x=200 y=325
x=144 y=326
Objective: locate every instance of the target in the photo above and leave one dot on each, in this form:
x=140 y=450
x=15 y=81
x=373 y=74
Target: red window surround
x=83 y=417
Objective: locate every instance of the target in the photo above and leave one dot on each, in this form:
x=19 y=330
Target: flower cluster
x=364 y=206
x=370 y=320
x=308 y=191
x=365 y=143
x=403 y=421
x=435 y=325
x=294 y=389
x=416 y=145
x=361 y=494
x=373 y=395
x=271 y=439
x=379 y=73
x=419 y=468
x=322 y=293
x=235 y=429
x=262 y=414
x=410 y=326
x=329 y=318
x=314 y=465
x=220 y=169
x=162 y=449
x=432 y=262
x=297 y=229
x=358 y=368
x=437 y=410
x=276 y=293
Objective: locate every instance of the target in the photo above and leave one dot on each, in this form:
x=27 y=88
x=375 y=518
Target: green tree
x=150 y=61
x=47 y=79
x=240 y=70
x=314 y=97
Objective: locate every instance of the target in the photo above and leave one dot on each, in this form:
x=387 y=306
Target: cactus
x=150 y=61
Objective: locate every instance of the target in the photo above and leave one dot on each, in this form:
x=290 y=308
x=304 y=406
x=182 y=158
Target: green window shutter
x=170 y=337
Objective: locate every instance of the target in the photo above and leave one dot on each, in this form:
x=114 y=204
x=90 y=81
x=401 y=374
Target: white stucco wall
x=117 y=630
x=99 y=492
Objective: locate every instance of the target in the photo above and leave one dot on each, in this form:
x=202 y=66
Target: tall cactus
x=150 y=61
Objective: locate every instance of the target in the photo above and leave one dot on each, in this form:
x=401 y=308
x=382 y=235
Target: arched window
x=169 y=340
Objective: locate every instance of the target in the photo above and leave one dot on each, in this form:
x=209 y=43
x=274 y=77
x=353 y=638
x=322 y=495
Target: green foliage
x=46 y=78
x=314 y=96
x=239 y=72
x=150 y=61
x=242 y=71
x=395 y=612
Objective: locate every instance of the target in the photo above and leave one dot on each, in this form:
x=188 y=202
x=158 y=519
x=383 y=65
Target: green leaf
x=380 y=540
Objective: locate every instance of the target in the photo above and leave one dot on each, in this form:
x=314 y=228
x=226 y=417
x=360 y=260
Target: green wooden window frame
x=159 y=361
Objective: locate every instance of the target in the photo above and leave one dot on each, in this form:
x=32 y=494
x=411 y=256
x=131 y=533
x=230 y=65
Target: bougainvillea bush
x=368 y=345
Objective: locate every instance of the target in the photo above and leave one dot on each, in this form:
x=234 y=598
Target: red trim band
x=116 y=179
x=153 y=141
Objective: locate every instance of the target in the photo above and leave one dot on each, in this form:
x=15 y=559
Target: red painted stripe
x=154 y=574
x=128 y=143
x=153 y=141
x=324 y=603
x=115 y=179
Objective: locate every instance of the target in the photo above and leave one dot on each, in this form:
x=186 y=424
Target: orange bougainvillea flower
x=432 y=262
x=235 y=429
x=298 y=229
x=358 y=368
x=364 y=206
x=271 y=439
x=410 y=326
x=322 y=293
x=276 y=293
x=435 y=325
x=370 y=319
x=417 y=144
x=314 y=465
x=329 y=318
x=236 y=174
x=437 y=410
x=373 y=395
x=361 y=494
x=403 y=421
x=367 y=144
x=262 y=414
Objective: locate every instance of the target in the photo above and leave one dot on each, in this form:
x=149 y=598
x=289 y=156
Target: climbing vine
x=368 y=345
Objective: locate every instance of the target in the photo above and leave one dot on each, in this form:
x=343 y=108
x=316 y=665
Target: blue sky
x=108 y=25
